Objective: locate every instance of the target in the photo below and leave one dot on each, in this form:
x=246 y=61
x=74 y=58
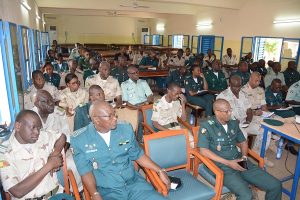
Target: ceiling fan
x=134 y=4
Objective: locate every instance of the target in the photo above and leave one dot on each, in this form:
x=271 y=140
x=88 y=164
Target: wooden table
x=153 y=73
x=288 y=131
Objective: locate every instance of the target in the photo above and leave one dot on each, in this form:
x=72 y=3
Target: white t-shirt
x=225 y=127
x=106 y=137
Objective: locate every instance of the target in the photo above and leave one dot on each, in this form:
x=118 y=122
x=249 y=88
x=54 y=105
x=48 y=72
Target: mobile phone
x=243 y=164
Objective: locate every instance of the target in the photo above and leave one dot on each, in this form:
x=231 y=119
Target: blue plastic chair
x=170 y=150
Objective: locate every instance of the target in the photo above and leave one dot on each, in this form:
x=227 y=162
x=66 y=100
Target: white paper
x=174 y=186
x=288 y=108
x=267 y=114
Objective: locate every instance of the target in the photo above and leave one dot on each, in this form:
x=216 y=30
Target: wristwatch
x=245 y=158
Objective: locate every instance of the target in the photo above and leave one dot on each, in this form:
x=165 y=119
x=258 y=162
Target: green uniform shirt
x=291 y=77
x=120 y=74
x=245 y=76
x=54 y=79
x=212 y=136
x=88 y=73
x=135 y=92
x=214 y=82
x=175 y=77
x=273 y=99
x=146 y=60
x=83 y=63
x=192 y=85
x=82 y=117
x=63 y=67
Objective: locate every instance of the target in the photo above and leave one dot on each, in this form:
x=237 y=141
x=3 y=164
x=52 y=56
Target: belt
x=45 y=196
x=171 y=125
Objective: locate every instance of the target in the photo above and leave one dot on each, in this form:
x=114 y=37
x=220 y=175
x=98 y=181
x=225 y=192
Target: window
x=177 y=41
x=267 y=48
x=289 y=51
x=8 y=69
x=201 y=43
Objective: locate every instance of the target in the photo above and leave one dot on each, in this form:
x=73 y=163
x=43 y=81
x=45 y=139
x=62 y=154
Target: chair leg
x=196 y=116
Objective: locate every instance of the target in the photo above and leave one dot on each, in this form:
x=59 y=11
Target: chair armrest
x=156 y=181
x=87 y=195
x=185 y=124
x=215 y=169
x=73 y=184
x=256 y=157
x=151 y=179
x=147 y=129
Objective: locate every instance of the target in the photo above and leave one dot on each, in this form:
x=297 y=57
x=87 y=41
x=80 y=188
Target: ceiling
x=101 y=7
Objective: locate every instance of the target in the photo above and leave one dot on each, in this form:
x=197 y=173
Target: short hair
x=180 y=50
x=37 y=72
x=22 y=114
x=60 y=55
x=49 y=64
x=69 y=77
x=104 y=63
x=172 y=85
x=276 y=80
x=242 y=62
x=193 y=67
x=95 y=87
x=232 y=77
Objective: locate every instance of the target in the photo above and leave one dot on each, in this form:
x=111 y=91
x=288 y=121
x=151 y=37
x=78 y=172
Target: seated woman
x=194 y=86
x=50 y=76
x=71 y=97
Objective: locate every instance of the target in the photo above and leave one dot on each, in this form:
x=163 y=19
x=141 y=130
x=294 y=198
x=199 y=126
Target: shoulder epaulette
x=79 y=131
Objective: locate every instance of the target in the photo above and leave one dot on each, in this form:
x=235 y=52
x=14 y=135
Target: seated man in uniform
x=94 y=64
x=38 y=84
x=215 y=78
x=84 y=61
x=103 y=153
x=73 y=69
x=243 y=72
x=218 y=140
x=291 y=75
x=33 y=155
x=209 y=58
x=50 y=76
x=149 y=61
x=136 y=92
x=273 y=73
x=178 y=76
x=119 y=72
x=256 y=96
x=110 y=85
x=293 y=97
x=194 y=85
x=60 y=66
x=241 y=106
x=176 y=61
x=168 y=108
x=229 y=63
x=82 y=117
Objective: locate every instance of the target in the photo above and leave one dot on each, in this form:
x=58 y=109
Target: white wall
x=12 y=11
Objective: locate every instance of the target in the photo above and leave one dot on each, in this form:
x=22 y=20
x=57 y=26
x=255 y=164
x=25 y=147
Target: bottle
x=192 y=119
x=279 y=148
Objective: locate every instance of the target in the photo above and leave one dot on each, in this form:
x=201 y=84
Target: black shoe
x=291 y=149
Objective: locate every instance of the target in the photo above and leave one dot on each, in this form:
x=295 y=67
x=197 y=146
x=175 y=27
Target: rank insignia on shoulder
x=211 y=122
x=203 y=131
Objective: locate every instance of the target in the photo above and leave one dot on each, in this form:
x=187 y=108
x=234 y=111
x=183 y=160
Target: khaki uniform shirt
x=256 y=96
x=229 y=60
x=25 y=159
x=29 y=95
x=175 y=61
x=77 y=73
x=294 y=93
x=165 y=113
x=73 y=99
x=239 y=105
x=271 y=75
x=110 y=86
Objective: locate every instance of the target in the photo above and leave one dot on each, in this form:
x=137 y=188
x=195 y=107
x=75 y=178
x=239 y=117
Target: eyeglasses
x=112 y=115
x=136 y=72
x=226 y=111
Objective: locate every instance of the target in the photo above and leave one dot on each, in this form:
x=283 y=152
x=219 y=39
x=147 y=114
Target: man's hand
x=69 y=111
x=258 y=112
x=164 y=178
x=55 y=161
x=235 y=165
x=182 y=99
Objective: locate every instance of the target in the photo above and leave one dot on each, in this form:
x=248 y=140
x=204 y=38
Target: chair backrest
x=169 y=149
x=195 y=131
x=61 y=196
x=129 y=115
x=147 y=114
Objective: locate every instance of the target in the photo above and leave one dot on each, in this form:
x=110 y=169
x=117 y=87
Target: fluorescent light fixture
x=25 y=4
x=160 y=27
x=284 y=21
x=204 y=24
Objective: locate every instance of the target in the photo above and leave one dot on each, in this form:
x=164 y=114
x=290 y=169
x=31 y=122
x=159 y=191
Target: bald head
x=220 y=104
x=133 y=73
x=103 y=116
x=254 y=80
x=26 y=113
x=44 y=102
